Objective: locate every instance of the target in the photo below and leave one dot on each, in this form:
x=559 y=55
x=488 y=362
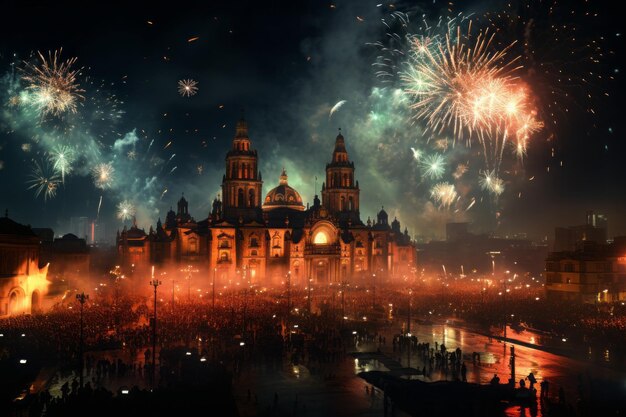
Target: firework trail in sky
x=336 y=107
x=62 y=158
x=99 y=205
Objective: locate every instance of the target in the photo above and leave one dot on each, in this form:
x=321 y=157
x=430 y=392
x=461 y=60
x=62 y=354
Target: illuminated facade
x=262 y=240
x=592 y=273
x=23 y=284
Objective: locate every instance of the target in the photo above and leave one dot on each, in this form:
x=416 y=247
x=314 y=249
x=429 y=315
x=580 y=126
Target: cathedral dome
x=283 y=196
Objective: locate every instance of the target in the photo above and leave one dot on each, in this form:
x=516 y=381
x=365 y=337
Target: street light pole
x=408 y=326
x=189 y=287
x=213 y=290
x=373 y=291
x=288 y=293
x=308 y=298
x=155 y=283
x=504 y=310
x=343 y=300
x=82 y=297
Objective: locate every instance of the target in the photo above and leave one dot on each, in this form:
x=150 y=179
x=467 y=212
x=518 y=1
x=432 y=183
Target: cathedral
x=265 y=239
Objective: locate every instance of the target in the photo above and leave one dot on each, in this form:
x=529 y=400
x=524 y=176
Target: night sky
x=285 y=65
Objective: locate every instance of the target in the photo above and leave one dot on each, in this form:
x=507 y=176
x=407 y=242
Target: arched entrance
x=35 y=302
x=15 y=302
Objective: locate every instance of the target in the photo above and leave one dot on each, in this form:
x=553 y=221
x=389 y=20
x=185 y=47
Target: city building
x=23 y=281
x=463 y=251
x=266 y=239
x=593 y=272
x=69 y=260
x=81 y=227
x=594 y=230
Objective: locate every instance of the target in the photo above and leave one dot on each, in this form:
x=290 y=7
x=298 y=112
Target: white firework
x=444 y=194
x=62 y=158
x=103 y=175
x=187 y=88
x=491 y=183
x=125 y=210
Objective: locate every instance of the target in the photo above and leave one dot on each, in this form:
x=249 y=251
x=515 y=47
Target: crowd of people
x=261 y=327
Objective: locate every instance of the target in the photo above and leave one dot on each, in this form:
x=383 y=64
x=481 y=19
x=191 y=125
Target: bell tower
x=242 y=183
x=340 y=192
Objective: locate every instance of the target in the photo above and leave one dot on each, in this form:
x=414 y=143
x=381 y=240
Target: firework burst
x=434 y=166
x=491 y=183
x=187 y=88
x=466 y=85
x=102 y=175
x=43 y=180
x=52 y=84
x=62 y=158
x=125 y=210
x=444 y=194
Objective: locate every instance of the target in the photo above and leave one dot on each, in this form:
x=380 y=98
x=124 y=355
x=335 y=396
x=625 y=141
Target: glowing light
x=125 y=210
x=490 y=182
x=187 y=88
x=320 y=238
x=103 y=175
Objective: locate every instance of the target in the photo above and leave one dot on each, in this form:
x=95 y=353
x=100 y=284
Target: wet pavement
x=495 y=357
x=335 y=389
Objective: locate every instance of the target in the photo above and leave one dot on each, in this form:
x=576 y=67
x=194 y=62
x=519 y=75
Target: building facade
x=264 y=240
x=23 y=282
x=592 y=273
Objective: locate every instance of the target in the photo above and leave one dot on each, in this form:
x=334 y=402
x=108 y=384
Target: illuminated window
x=320 y=238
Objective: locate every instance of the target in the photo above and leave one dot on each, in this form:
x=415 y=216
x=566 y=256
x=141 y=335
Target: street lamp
x=82 y=297
x=155 y=283
x=373 y=291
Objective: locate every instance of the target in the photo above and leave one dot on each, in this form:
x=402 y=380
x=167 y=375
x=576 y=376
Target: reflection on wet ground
x=335 y=389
